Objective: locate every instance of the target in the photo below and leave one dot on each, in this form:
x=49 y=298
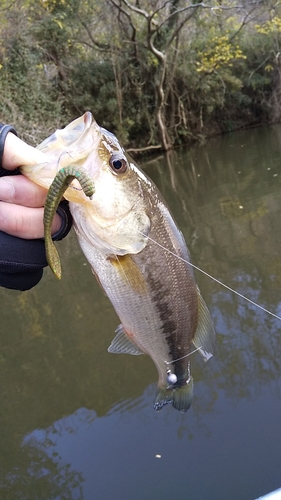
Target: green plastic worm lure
x=58 y=187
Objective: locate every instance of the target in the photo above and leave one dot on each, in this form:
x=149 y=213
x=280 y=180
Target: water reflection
x=39 y=475
x=70 y=410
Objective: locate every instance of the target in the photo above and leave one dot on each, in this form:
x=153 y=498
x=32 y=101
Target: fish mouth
x=74 y=143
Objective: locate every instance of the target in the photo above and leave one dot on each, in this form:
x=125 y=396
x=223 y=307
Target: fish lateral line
x=214 y=279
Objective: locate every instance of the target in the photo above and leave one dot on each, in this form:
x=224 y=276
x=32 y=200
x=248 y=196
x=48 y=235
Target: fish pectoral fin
x=205 y=335
x=129 y=272
x=180 y=397
x=122 y=344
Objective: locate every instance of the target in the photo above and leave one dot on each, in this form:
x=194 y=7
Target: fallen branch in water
x=141 y=150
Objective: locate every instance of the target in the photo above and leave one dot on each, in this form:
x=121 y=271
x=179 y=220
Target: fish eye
x=118 y=165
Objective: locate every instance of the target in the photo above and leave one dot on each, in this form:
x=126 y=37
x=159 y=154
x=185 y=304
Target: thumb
x=18 y=153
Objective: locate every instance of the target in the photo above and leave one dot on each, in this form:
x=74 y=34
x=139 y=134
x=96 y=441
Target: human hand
x=22 y=249
x=22 y=201
x=17 y=152
x=21 y=208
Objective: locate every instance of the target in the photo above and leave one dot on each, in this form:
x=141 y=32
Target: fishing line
x=186 y=356
x=213 y=278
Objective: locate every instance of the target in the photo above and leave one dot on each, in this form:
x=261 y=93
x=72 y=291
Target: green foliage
x=27 y=94
x=205 y=70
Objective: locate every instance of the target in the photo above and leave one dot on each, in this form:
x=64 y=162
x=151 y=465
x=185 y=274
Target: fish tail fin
x=180 y=397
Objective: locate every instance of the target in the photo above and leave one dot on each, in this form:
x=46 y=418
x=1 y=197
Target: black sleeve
x=22 y=261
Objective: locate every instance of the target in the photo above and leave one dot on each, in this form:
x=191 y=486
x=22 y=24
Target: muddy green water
x=78 y=423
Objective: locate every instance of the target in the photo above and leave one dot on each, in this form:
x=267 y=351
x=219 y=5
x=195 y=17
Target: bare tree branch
x=136 y=9
x=96 y=43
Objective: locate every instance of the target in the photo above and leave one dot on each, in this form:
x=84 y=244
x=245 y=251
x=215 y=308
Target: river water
x=78 y=423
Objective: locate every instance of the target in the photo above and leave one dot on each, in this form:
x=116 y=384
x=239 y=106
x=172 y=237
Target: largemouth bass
x=137 y=253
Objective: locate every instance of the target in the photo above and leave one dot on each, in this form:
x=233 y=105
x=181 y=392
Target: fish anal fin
x=180 y=397
x=205 y=335
x=129 y=272
x=122 y=344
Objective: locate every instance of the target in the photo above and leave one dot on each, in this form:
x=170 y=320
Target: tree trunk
x=160 y=110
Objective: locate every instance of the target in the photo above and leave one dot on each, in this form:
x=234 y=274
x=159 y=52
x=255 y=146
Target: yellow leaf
x=59 y=23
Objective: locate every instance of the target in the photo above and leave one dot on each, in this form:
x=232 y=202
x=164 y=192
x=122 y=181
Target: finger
x=24 y=222
x=17 y=152
x=21 y=191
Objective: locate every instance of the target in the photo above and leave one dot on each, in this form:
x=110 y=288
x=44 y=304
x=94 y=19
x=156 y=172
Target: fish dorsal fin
x=121 y=344
x=204 y=338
